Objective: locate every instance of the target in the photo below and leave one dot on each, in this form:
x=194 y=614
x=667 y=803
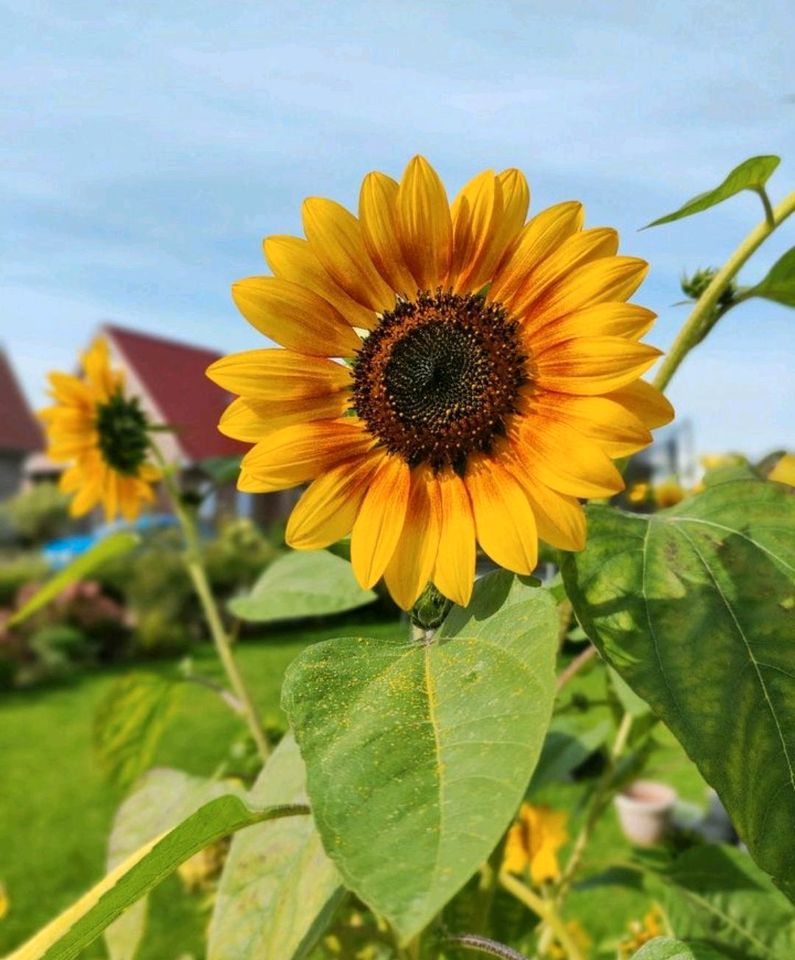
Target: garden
x=493 y=688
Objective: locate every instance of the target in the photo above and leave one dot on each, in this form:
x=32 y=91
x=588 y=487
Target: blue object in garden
x=59 y=553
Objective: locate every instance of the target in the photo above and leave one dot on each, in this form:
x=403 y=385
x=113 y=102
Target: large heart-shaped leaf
x=695 y=608
x=418 y=754
x=302 y=584
x=279 y=889
x=163 y=799
x=751 y=174
x=719 y=895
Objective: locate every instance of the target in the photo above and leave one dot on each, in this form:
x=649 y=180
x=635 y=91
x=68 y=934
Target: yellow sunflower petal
x=67 y=389
x=380 y=520
x=605 y=279
x=90 y=493
x=295 y=317
x=251 y=420
x=560 y=518
x=543 y=284
x=541 y=236
x=328 y=507
x=602 y=320
x=476 y=213
x=412 y=563
x=96 y=364
x=454 y=573
x=302 y=451
x=617 y=431
x=563 y=459
x=279 y=375
x=336 y=239
x=593 y=365
x=646 y=402
x=505 y=524
x=378 y=219
x=424 y=224
x=291 y=258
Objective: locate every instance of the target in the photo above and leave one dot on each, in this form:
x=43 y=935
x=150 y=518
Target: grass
x=56 y=809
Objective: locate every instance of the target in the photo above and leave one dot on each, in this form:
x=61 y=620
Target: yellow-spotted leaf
x=418 y=754
x=278 y=890
x=81 y=923
x=695 y=609
x=751 y=174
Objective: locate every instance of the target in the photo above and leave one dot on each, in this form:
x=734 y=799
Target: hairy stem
x=198 y=575
x=473 y=941
x=702 y=314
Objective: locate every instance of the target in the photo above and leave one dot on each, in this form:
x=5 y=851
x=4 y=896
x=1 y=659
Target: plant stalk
x=546 y=909
x=198 y=575
x=693 y=330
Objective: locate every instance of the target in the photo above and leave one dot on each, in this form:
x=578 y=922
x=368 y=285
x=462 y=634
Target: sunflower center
x=436 y=380
x=122 y=429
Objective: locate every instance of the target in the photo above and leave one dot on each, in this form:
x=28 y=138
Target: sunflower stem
x=547 y=910
x=702 y=316
x=194 y=564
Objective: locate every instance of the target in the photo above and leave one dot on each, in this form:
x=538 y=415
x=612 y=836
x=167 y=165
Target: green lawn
x=56 y=809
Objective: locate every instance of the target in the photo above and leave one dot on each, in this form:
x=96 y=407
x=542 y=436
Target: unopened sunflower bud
x=693 y=287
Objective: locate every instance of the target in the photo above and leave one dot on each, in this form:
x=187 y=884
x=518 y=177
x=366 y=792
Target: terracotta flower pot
x=644 y=811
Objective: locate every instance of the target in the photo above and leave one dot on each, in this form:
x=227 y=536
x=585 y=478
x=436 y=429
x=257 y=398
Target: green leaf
x=129 y=723
x=221 y=470
x=161 y=802
x=82 y=922
x=302 y=584
x=722 y=897
x=418 y=755
x=82 y=566
x=279 y=890
x=779 y=284
x=751 y=174
x=694 y=608
x=663 y=948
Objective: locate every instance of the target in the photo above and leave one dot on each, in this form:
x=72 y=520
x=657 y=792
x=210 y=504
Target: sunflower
x=450 y=374
x=103 y=434
x=533 y=842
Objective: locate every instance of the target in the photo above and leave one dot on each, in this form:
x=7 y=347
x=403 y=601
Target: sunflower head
x=103 y=434
x=449 y=375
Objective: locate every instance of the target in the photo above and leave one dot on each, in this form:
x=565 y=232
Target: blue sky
x=148 y=148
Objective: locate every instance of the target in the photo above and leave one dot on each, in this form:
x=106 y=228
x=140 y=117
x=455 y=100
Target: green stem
x=547 y=910
x=693 y=330
x=194 y=564
x=597 y=805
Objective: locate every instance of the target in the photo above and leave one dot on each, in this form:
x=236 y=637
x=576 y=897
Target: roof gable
x=173 y=374
x=19 y=429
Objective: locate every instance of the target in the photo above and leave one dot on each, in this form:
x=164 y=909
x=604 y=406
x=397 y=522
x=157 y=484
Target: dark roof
x=173 y=375
x=19 y=429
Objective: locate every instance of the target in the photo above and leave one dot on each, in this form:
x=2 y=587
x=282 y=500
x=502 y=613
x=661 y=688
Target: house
x=20 y=435
x=169 y=379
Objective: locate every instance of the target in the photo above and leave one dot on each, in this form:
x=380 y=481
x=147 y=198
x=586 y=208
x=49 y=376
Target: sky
x=148 y=147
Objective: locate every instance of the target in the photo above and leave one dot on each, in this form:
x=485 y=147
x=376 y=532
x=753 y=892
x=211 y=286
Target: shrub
x=16 y=572
x=38 y=514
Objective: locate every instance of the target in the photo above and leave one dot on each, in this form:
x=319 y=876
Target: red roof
x=173 y=376
x=19 y=429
